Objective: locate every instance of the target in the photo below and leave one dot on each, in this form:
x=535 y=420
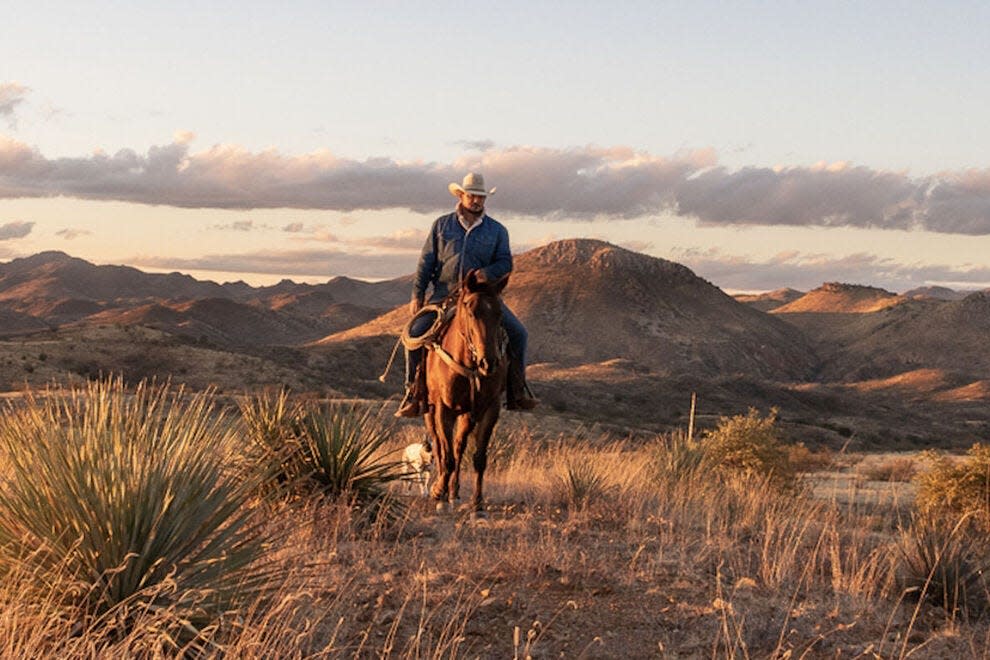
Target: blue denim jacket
x=450 y=252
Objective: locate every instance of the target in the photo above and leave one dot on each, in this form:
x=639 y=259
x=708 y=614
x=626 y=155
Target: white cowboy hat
x=473 y=184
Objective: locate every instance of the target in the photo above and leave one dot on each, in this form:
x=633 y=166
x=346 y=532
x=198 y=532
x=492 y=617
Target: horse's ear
x=471 y=280
x=500 y=284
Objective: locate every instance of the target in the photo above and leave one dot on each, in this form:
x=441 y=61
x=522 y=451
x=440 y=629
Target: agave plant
x=126 y=498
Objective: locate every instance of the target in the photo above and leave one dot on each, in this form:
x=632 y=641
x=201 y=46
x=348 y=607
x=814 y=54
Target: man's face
x=473 y=203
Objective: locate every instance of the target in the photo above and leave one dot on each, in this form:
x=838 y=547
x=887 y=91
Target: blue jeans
x=513 y=328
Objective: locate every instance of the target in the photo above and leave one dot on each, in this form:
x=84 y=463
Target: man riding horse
x=460 y=242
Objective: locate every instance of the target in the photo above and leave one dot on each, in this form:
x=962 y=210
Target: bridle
x=477 y=367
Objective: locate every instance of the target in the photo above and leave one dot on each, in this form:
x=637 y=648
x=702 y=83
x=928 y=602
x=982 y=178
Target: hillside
x=935 y=292
x=769 y=300
x=951 y=335
x=586 y=301
x=53 y=288
x=616 y=338
x=836 y=297
x=218 y=321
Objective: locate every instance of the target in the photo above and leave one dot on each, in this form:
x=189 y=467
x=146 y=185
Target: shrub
x=901 y=468
x=960 y=488
x=805 y=460
x=124 y=498
x=749 y=444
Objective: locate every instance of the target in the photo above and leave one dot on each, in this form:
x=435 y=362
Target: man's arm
x=502 y=263
x=424 y=270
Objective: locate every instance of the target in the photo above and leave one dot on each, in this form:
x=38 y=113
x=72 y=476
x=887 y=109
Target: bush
x=123 y=497
x=957 y=488
x=901 y=468
x=805 y=460
x=749 y=444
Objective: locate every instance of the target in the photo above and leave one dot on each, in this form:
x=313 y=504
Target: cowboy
x=459 y=242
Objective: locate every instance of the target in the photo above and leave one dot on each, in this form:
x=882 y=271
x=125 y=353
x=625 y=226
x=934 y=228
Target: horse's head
x=480 y=311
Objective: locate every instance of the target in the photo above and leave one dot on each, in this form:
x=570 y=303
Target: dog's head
x=425 y=455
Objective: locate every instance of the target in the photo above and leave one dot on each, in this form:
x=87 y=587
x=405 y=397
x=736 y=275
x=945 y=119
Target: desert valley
x=797 y=518
x=617 y=338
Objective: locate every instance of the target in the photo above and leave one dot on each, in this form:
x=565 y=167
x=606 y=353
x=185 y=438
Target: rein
x=472 y=374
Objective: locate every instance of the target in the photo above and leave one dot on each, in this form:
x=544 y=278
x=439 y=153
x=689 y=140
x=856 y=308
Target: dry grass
x=593 y=548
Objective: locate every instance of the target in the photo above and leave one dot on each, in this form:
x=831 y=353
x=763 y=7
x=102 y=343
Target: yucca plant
x=943 y=561
x=581 y=482
x=271 y=420
x=677 y=457
x=126 y=499
x=342 y=453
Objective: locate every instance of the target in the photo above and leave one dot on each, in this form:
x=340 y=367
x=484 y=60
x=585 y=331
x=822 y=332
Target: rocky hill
x=946 y=335
x=935 y=292
x=769 y=300
x=615 y=336
x=586 y=301
x=836 y=297
x=218 y=321
x=53 y=288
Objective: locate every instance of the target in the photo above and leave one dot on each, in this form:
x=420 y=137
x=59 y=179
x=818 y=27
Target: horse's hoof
x=442 y=507
x=479 y=516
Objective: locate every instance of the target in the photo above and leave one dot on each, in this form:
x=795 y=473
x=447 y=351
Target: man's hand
x=414 y=306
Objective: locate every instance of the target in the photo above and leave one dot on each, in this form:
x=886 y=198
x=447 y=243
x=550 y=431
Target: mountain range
x=615 y=336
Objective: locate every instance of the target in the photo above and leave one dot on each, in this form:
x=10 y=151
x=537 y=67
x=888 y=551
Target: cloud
x=12 y=230
x=580 y=183
x=475 y=145
x=406 y=239
x=293 y=228
x=808 y=271
x=237 y=225
x=311 y=263
x=12 y=94
x=70 y=233
x=820 y=195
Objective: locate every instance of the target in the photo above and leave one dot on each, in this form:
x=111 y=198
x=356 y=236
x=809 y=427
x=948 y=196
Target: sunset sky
x=762 y=144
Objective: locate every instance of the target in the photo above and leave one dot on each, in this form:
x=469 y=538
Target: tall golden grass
x=595 y=547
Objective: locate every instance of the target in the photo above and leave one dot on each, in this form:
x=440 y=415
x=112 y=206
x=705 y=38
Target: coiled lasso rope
x=412 y=343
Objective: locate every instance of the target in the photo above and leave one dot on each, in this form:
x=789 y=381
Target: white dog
x=417 y=459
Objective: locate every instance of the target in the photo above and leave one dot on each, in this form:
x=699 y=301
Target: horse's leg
x=463 y=425
x=482 y=435
x=440 y=452
x=446 y=463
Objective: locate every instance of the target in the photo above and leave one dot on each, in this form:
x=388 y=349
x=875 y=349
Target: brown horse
x=465 y=380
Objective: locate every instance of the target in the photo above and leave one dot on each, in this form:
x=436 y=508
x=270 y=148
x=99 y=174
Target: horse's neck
x=455 y=339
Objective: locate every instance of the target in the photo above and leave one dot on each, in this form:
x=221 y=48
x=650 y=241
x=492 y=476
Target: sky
x=762 y=144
